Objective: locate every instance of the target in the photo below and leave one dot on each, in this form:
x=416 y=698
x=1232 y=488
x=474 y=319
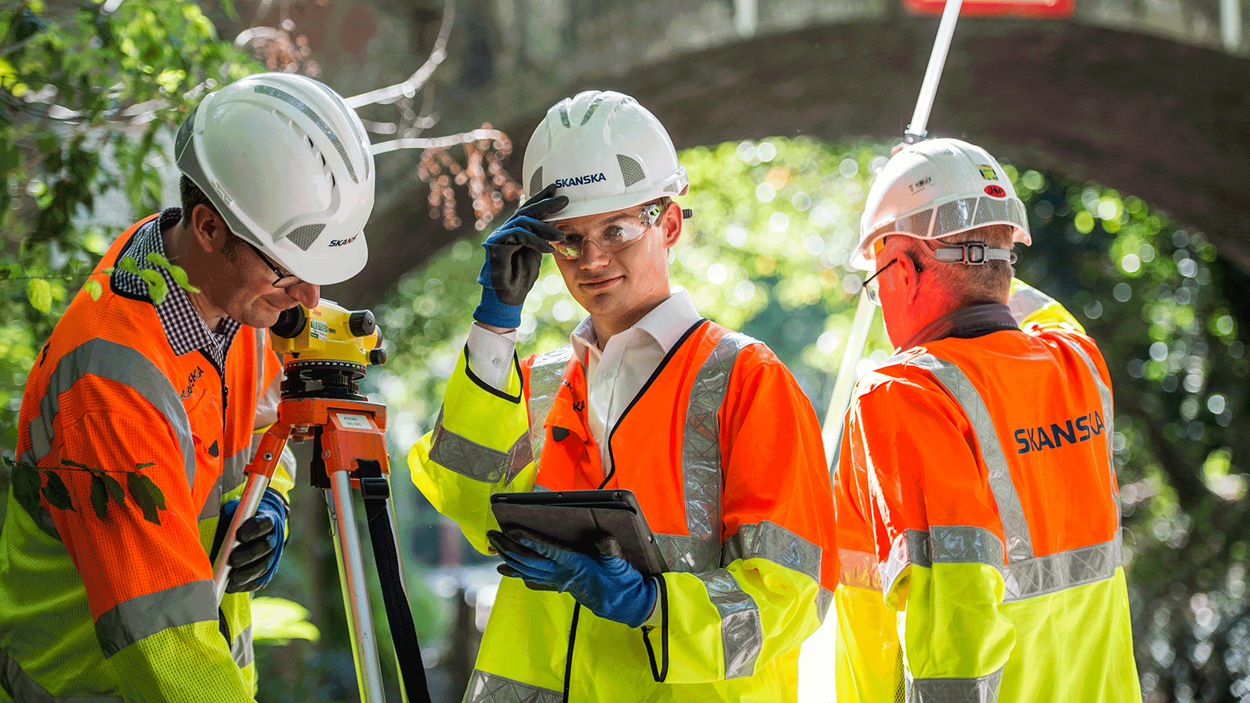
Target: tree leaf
x=99 y=497
x=157 y=287
x=40 y=294
x=114 y=487
x=93 y=288
x=26 y=482
x=155 y=490
x=127 y=263
x=145 y=465
x=67 y=462
x=141 y=494
x=56 y=493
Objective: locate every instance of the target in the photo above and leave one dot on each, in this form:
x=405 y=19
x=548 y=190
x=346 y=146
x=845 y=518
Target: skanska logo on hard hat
x=581 y=180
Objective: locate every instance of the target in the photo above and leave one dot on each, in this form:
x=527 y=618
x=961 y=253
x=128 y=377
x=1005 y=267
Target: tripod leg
x=355 y=589
x=259 y=473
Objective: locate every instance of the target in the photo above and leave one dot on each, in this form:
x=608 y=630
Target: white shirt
x=614 y=376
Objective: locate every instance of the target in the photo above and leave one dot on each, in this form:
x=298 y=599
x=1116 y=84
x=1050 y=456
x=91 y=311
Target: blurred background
x=1125 y=125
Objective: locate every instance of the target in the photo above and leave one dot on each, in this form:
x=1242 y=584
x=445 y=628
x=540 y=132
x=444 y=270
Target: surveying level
x=325 y=354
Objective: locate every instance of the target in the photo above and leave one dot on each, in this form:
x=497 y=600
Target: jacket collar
x=965 y=323
x=666 y=324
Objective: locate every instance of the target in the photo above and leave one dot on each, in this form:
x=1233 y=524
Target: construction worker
x=978 y=510
x=116 y=602
x=705 y=426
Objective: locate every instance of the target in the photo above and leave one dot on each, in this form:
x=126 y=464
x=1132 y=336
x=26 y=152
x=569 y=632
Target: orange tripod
x=349 y=453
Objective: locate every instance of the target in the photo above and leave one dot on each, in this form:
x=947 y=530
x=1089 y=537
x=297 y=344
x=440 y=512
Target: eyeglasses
x=871 y=290
x=283 y=280
x=612 y=237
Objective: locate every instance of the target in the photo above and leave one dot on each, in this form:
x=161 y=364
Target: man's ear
x=208 y=227
x=671 y=224
x=909 y=276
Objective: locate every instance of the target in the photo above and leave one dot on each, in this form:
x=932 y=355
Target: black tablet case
x=578 y=519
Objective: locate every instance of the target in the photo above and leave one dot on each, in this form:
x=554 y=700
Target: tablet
x=578 y=519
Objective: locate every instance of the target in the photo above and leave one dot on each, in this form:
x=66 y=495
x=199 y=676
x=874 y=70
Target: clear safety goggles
x=955 y=216
x=611 y=237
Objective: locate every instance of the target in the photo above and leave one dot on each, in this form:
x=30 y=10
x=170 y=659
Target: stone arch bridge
x=1151 y=97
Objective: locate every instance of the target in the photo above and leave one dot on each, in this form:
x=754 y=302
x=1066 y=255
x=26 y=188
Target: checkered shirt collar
x=183 y=326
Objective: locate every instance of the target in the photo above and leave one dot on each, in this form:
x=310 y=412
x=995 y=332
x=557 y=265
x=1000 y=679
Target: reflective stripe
x=859 y=569
x=1015 y=526
x=983 y=689
x=1029 y=578
x=775 y=543
x=471 y=459
x=908 y=548
x=741 y=634
x=941 y=544
x=121 y=364
x=241 y=650
x=1061 y=570
x=824 y=599
x=260 y=362
x=700 y=450
x=1104 y=394
x=489 y=688
x=545 y=375
x=144 y=616
x=963 y=544
x=685 y=554
x=27 y=690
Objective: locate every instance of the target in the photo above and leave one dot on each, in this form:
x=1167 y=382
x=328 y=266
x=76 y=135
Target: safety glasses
x=283 y=280
x=611 y=237
x=870 y=284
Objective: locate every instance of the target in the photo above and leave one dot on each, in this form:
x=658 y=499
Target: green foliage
x=88 y=103
x=773 y=222
x=277 y=621
x=27 y=481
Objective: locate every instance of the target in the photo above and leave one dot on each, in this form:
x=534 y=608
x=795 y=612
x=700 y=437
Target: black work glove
x=261 y=539
x=514 y=253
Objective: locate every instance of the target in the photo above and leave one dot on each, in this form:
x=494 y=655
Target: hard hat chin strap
x=971 y=253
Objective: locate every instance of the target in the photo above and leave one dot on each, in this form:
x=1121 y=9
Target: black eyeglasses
x=283 y=280
x=872 y=290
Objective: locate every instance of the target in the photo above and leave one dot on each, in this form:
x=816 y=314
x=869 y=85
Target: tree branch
x=409 y=88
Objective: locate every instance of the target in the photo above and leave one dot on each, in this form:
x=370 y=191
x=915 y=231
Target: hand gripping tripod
x=349 y=452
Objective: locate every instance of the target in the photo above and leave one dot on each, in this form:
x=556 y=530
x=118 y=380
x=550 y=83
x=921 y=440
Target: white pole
x=1230 y=25
x=933 y=74
x=865 y=311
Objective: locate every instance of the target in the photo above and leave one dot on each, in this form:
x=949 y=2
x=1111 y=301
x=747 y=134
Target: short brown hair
x=970 y=285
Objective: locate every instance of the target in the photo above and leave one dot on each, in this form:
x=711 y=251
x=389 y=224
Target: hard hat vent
x=991 y=211
x=303 y=237
x=536 y=182
x=308 y=112
x=631 y=170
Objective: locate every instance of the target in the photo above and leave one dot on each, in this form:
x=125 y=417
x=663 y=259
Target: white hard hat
x=934 y=189
x=605 y=152
x=287 y=165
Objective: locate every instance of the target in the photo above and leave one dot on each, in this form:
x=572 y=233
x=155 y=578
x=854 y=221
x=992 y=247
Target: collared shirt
x=614 y=376
x=183 y=326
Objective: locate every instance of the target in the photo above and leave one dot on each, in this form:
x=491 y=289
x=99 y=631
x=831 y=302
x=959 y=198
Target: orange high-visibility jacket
x=724 y=454
x=95 y=609
x=979 y=527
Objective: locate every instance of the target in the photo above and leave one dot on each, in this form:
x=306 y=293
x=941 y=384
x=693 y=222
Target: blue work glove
x=514 y=253
x=261 y=539
x=605 y=583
